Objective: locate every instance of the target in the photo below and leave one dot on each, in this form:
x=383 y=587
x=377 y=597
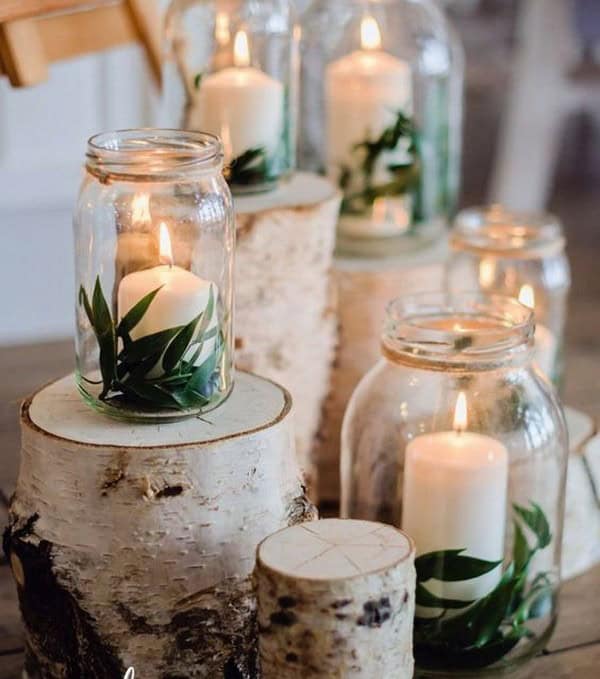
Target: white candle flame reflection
x=165 y=249
x=460 y=413
x=241 y=49
x=370 y=35
x=222 y=29
x=140 y=209
x=527 y=297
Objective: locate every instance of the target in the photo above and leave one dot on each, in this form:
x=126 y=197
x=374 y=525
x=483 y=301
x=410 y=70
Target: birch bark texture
x=286 y=321
x=134 y=545
x=336 y=600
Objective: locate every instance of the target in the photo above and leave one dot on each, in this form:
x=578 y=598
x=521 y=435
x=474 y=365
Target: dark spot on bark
x=283 y=618
x=169 y=491
x=136 y=623
x=112 y=481
x=301 y=509
x=405 y=597
x=341 y=616
x=287 y=601
x=375 y=612
x=291 y=657
x=341 y=603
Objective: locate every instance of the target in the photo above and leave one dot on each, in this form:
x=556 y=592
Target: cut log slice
x=336 y=600
x=134 y=544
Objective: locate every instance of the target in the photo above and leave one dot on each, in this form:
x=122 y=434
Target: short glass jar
x=520 y=255
x=455 y=438
x=232 y=69
x=154 y=248
x=381 y=114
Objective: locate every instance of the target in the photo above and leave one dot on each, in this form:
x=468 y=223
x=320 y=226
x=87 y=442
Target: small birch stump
x=336 y=600
x=286 y=325
x=364 y=288
x=133 y=545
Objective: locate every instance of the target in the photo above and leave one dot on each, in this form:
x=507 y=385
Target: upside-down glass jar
x=521 y=255
x=154 y=248
x=232 y=70
x=381 y=115
x=454 y=437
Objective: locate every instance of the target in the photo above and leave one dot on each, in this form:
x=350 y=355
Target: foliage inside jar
x=169 y=369
x=482 y=632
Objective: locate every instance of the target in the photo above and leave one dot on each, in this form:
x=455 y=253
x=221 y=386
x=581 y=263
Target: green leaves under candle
x=131 y=376
x=483 y=631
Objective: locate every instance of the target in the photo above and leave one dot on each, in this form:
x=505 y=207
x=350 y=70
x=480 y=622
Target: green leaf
x=83 y=299
x=425 y=598
x=450 y=566
x=521 y=551
x=248 y=168
x=536 y=604
x=151 y=395
x=148 y=346
x=105 y=334
x=136 y=313
x=536 y=521
x=446 y=657
x=179 y=345
x=202 y=375
x=198 y=80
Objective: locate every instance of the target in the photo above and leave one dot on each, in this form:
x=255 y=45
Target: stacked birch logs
x=133 y=545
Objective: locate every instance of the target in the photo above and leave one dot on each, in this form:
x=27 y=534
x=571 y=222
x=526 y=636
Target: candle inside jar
x=546 y=346
x=455 y=495
x=365 y=91
x=182 y=297
x=240 y=104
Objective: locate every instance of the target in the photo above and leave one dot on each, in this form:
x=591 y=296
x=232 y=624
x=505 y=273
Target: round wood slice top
x=434 y=254
x=302 y=190
x=254 y=404
x=334 y=549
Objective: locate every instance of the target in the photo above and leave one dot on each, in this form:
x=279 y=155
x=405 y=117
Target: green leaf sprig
x=250 y=168
x=485 y=630
x=127 y=374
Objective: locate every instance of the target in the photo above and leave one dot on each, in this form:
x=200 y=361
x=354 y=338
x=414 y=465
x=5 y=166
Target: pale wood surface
x=17 y=9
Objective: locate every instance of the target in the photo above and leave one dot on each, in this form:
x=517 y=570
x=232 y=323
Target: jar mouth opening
x=496 y=231
x=456 y=328
x=152 y=154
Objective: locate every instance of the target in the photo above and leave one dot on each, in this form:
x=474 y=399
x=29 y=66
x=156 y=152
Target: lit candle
x=365 y=91
x=545 y=341
x=455 y=494
x=181 y=298
x=241 y=105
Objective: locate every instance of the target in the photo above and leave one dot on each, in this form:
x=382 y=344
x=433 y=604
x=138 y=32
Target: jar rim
x=152 y=154
x=494 y=230
x=457 y=329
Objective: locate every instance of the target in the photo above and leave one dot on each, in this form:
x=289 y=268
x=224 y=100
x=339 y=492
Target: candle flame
x=370 y=35
x=165 y=249
x=460 y=413
x=140 y=209
x=241 y=49
x=527 y=297
x=487 y=273
x=222 y=34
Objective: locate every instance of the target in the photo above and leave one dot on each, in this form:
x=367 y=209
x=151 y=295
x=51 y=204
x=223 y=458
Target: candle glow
x=460 y=413
x=140 y=209
x=527 y=297
x=165 y=249
x=370 y=35
x=241 y=50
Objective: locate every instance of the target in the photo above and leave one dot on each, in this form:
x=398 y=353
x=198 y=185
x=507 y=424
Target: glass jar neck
x=496 y=231
x=458 y=332
x=153 y=155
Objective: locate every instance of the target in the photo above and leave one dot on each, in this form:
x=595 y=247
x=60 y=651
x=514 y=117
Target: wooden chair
x=35 y=33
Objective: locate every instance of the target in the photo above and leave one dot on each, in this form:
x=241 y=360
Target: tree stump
x=286 y=325
x=133 y=545
x=336 y=600
x=364 y=288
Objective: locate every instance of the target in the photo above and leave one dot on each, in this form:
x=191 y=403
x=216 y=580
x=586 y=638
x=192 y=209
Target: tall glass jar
x=381 y=114
x=455 y=438
x=154 y=248
x=232 y=70
x=521 y=255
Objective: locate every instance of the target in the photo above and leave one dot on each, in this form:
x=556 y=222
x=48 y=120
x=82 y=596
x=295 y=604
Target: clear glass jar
x=154 y=248
x=521 y=255
x=453 y=437
x=381 y=104
x=232 y=70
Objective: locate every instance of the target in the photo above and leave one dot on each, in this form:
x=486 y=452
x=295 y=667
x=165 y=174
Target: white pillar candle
x=455 y=494
x=182 y=297
x=240 y=104
x=546 y=346
x=365 y=91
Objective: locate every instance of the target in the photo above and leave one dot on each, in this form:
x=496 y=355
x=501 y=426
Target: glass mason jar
x=232 y=70
x=381 y=114
x=453 y=437
x=521 y=255
x=154 y=248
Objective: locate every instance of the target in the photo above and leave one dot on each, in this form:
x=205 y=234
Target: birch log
x=364 y=288
x=133 y=545
x=336 y=600
x=286 y=325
